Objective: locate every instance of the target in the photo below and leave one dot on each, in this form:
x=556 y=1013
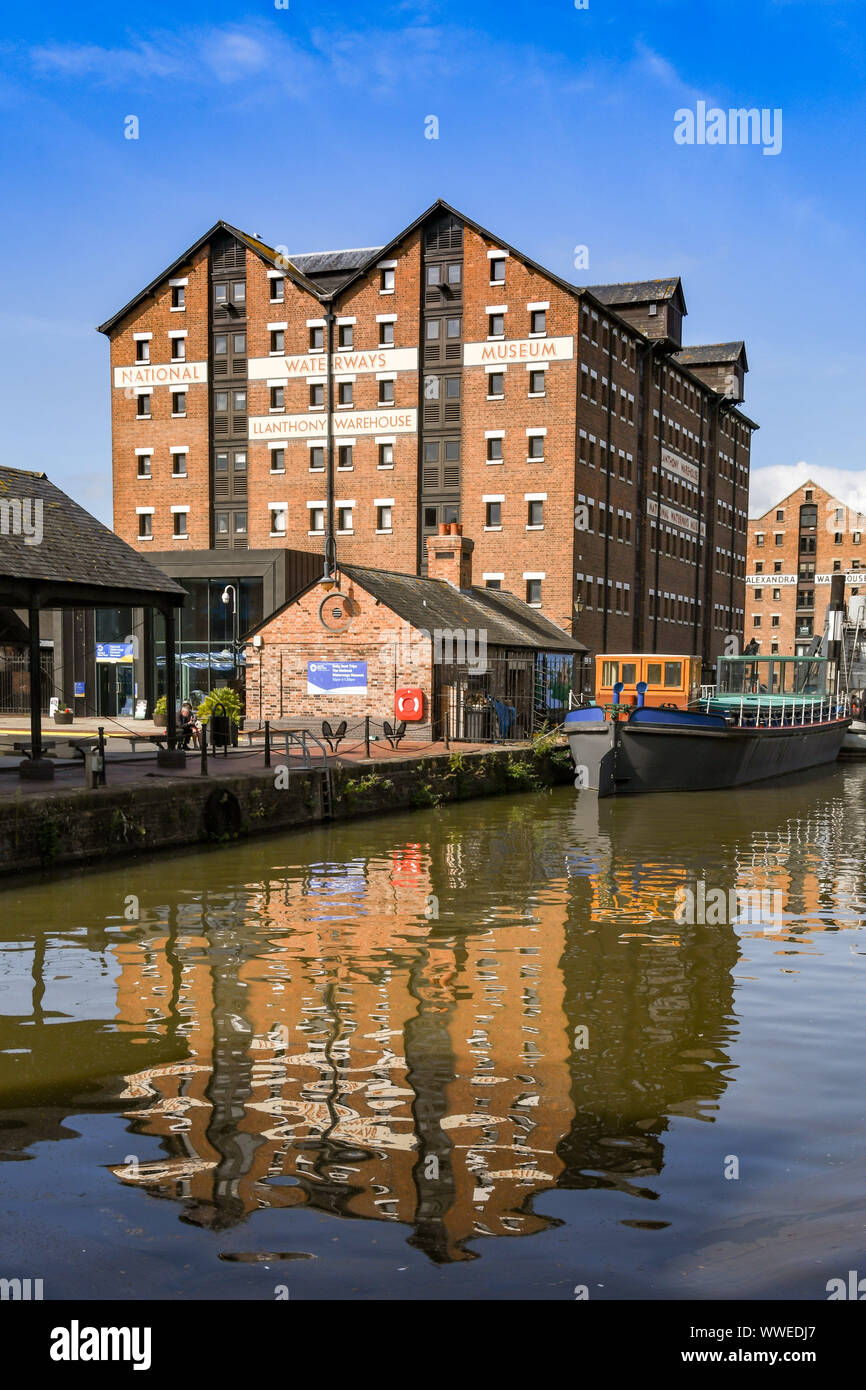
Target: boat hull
x=624 y=758
x=854 y=742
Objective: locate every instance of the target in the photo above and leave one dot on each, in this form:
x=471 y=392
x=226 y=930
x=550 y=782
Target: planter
x=160 y=721
x=63 y=716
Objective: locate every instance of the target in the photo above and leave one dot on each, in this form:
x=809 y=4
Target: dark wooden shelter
x=54 y=554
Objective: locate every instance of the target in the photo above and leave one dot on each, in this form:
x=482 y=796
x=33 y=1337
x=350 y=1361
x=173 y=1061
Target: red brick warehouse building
x=795 y=548
x=601 y=469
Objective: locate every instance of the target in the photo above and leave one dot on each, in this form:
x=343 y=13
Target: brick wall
x=395 y=654
x=161 y=491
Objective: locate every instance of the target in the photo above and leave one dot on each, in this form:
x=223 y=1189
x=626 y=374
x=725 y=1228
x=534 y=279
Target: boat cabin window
x=610 y=674
x=795 y=676
x=673 y=675
x=629 y=672
x=654 y=673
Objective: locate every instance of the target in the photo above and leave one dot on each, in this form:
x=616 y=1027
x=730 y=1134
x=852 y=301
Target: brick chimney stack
x=449 y=555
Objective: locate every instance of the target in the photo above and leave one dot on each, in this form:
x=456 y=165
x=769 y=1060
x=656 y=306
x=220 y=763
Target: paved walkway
x=124 y=768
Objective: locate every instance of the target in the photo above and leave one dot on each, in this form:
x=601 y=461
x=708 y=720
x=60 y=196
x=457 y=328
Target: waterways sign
x=344 y=677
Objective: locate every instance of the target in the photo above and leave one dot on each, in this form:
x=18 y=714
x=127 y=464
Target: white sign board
x=160 y=374
x=346 y=426
x=343 y=364
x=518 y=350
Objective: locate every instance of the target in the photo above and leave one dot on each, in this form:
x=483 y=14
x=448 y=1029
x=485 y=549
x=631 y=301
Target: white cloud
x=768 y=486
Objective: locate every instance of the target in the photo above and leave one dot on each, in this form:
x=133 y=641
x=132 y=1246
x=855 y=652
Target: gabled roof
x=435 y=604
x=330 y=270
x=631 y=292
x=712 y=354
x=76 y=558
x=267 y=253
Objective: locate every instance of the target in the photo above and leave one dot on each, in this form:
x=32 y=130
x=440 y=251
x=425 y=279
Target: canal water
x=478 y=1051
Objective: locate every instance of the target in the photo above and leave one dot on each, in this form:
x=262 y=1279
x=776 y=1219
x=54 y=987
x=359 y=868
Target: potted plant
x=160 y=712
x=63 y=715
x=225 y=727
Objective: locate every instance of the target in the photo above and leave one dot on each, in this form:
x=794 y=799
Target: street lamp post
x=230 y=596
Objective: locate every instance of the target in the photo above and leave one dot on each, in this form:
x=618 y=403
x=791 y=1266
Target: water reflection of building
x=357 y=1056
x=350 y=1052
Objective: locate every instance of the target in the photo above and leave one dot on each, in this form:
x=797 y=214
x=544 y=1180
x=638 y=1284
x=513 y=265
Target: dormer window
x=653 y=310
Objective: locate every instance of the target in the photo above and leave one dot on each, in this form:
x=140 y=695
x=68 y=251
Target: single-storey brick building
x=439 y=652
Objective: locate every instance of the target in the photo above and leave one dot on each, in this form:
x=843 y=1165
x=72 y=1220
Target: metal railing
x=794 y=712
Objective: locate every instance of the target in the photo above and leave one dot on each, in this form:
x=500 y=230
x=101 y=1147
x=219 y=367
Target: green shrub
x=229 y=698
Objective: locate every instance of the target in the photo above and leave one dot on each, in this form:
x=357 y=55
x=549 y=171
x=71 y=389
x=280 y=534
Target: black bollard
x=267 y=743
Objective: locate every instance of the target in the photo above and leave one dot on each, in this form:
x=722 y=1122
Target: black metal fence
x=15 y=679
x=514 y=696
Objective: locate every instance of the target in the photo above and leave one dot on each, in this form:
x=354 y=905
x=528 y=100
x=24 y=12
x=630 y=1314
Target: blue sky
x=556 y=127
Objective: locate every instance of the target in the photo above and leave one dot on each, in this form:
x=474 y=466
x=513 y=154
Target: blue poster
x=114 y=651
x=79 y=687
x=329 y=677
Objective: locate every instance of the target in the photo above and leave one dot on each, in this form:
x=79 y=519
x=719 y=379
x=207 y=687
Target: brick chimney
x=449 y=555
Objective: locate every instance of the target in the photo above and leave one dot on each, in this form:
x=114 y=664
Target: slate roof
x=434 y=603
x=637 y=291
x=331 y=269
x=711 y=353
x=76 y=553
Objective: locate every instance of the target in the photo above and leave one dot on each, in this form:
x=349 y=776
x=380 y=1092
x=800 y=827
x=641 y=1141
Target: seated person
x=187 y=724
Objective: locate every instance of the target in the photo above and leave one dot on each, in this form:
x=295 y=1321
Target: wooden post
x=36 y=767
x=367 y=734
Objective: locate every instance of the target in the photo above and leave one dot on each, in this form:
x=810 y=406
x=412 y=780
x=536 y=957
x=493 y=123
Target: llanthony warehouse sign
x=345 y=425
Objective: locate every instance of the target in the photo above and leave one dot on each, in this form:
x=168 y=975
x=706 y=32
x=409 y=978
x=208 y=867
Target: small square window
x=317 y=518
x=178 y=296
x=142 y=350
x=455 y=273
x=279 y=518
x=497 y=271
x=240 y=461
x=536 y=446
x=221 y=294
x=178 y=403
x=386 y=393
x=145 y=462
x=344 y=518
x=178 y=349
x=220 y=344
x=496 y=384
x=433 y=274
x=178 y=465
x=537 y=383
x=180 y=524
x=345 y=391
x=317 y=459
x=383 y=518
x=220 y=401
x=278 y=340
x=345 y=456
x=317 y=394
x=221 y=463
x=493 y=583
x=278 y=290
x=535 y=514
x=386 y=335
x=145 y=524
x=346 y=334
x=317 y=339
x=239 y=342
x=533 y=592
x=538 y=321
x=494 y=514
x=494 y=450
x=278 y=460
x=496 y=326
x=386 y=455
x=278 y=398
x=386 y=280
x=240 y=523
x=143 y=407
x=239 y=293
x=221 y=524
x=452 y=328
x=240 y=400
